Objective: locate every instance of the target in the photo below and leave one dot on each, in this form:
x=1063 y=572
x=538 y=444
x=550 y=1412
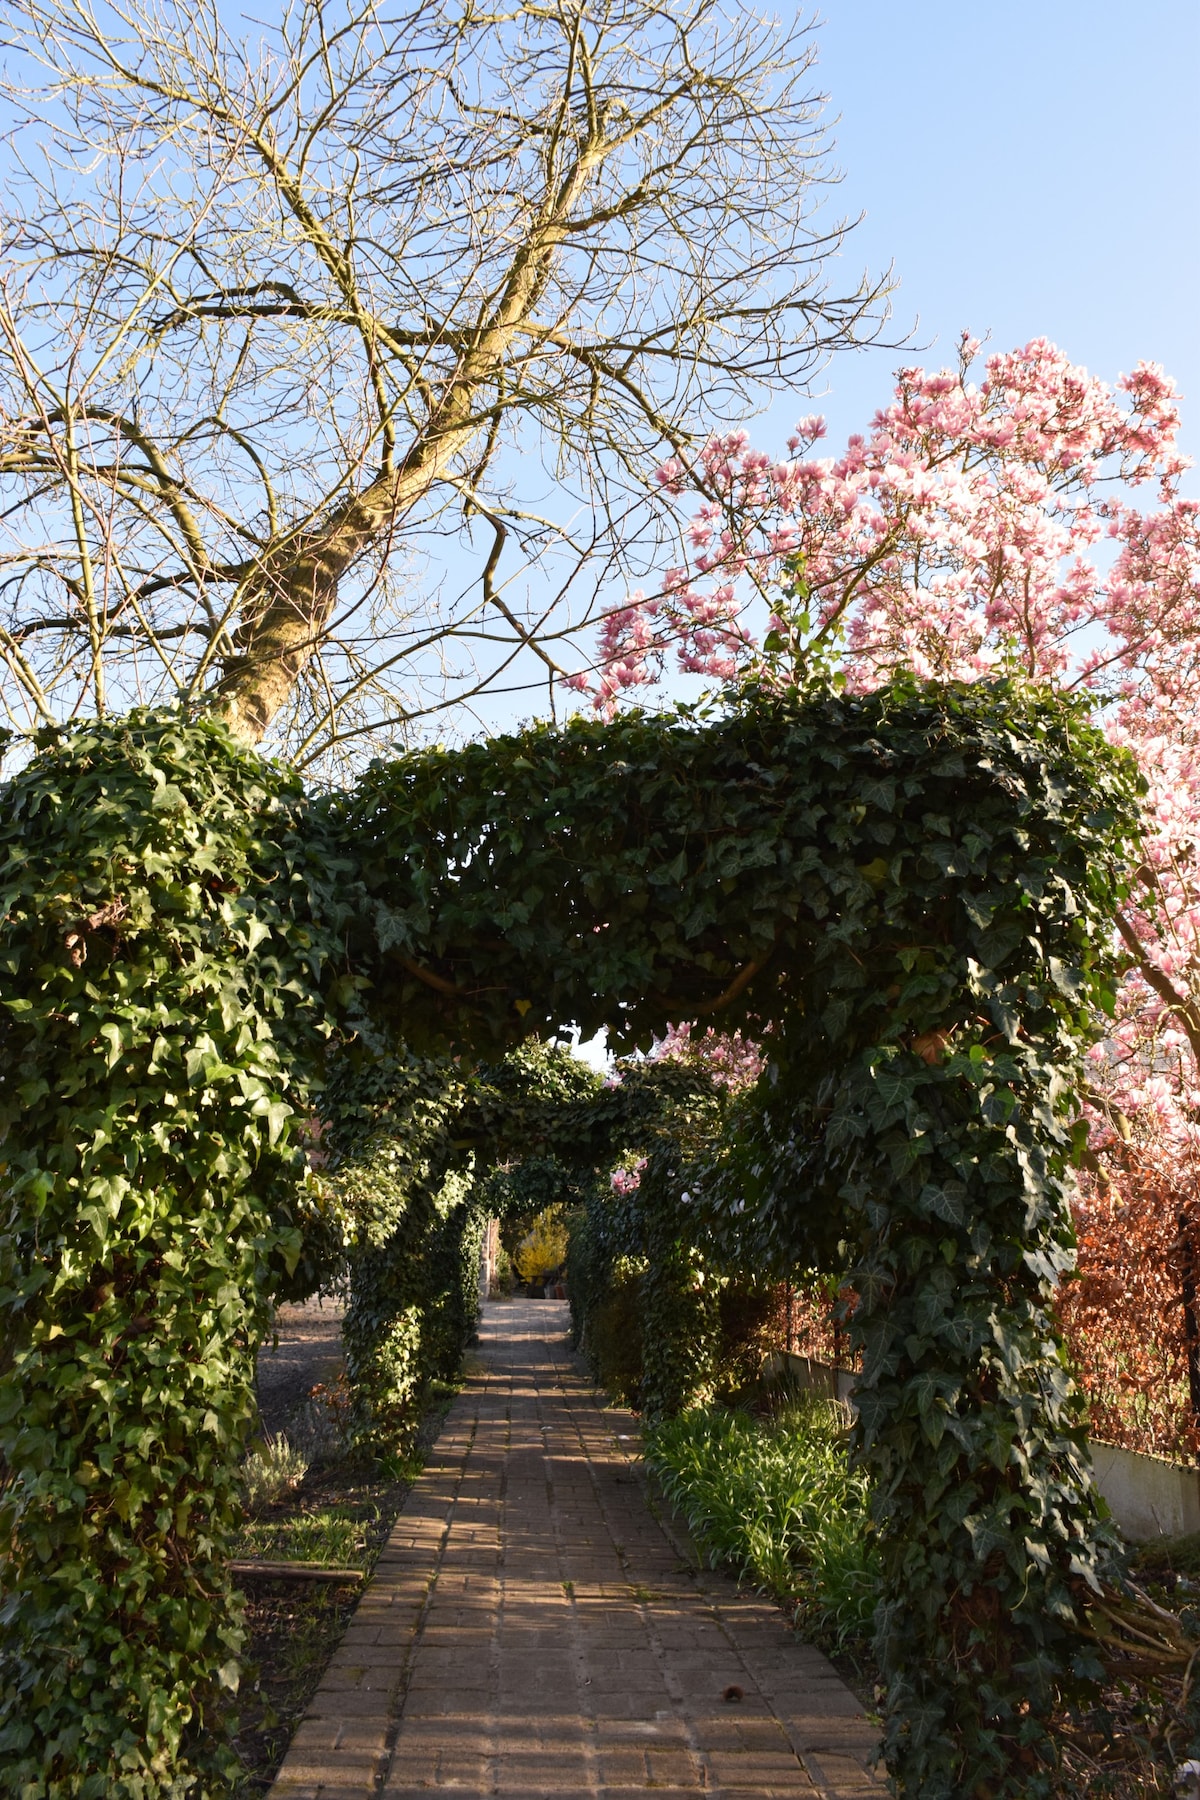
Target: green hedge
x=662 y=1319
x=162 y=976
x=912 y=888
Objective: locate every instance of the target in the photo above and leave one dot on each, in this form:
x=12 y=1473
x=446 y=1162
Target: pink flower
x=627 y=1181
x=982 y=523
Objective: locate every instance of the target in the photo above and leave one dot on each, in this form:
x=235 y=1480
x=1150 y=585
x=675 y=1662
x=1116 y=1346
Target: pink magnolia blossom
x=978 y=526
x=627 y=1181
x=734 y=1062
x=1025 y=517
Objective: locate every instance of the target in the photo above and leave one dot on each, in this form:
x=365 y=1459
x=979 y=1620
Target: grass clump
x=776 y=1500
x=333 y=1534
x=271 y=1471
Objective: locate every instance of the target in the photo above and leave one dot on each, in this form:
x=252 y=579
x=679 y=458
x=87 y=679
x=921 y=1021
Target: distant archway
x=910 y=890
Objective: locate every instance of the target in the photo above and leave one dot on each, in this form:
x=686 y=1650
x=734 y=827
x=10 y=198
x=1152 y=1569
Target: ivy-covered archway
x=908 y=890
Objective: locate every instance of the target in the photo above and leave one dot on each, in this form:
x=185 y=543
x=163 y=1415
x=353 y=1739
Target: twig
x=296 y=1571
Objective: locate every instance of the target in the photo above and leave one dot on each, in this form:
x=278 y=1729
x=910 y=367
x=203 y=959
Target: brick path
x=532 y=1629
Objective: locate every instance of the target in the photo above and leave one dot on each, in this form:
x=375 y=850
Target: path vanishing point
x=534 y=1626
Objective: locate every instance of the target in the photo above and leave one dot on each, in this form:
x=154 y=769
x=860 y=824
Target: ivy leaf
x=947 y=1202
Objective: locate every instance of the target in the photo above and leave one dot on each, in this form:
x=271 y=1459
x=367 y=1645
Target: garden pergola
x=907 y=891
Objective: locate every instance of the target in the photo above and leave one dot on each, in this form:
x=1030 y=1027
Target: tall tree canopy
x=279 y=297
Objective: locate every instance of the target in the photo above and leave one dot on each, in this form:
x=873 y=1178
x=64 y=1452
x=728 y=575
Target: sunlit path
x=533 y=1629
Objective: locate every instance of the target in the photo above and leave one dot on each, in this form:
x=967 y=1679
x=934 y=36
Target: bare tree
x=276 y=305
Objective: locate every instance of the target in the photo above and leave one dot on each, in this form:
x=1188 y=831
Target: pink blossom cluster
x=734 y=1062
x=959 y=536
x=1024 y=518
x=627 y=1181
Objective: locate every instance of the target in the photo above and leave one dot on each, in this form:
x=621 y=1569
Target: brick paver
x=532 y=1628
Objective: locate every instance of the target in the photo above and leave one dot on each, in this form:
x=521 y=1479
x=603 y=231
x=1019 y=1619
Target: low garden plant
x=272 y=1471
x=775 y=1500
x=338 y=1515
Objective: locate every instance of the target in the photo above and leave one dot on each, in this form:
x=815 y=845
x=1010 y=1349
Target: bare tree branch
x=283 y=300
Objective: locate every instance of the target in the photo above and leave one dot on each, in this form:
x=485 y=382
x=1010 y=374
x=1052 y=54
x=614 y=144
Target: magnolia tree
x=733 y=1060
x=1024 y=518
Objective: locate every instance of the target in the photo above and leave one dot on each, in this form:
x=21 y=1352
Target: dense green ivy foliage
x=405 y=1189
x=913 y=888
x=921 y=1097
x=908 y=890
x=423 y=1152
x=162 y=971
x=663 y=1319
x=516 y=1194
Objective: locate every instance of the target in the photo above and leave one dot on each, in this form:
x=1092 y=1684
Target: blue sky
x=1030 y=170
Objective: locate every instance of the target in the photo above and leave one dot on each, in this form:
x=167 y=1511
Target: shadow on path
x=533 y=1629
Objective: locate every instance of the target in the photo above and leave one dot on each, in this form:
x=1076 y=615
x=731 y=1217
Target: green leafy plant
x=913 y=887
x=271 y=1471
x=413 y=1239
x=422 y=1149
x=162 y=961
x=910 y=887
x=777 y=1501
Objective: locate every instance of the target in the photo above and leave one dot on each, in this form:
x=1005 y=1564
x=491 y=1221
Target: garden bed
x=337 y=1515
x=337 y=1511
x=773 y=1500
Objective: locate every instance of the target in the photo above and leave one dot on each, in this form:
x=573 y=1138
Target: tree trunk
x=291 y=599
x=288 y=607
x=1191 y=1319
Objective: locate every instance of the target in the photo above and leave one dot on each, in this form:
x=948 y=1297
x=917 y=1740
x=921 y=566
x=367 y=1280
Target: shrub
x=748 y=1320
x=1124 y=1319
x=322 y=1429
x=613 y=1346
x=543 y=1249
x=272 y=1471
x=777 y=1501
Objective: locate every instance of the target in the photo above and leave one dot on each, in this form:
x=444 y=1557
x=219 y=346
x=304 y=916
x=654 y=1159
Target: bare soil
x=307 y=1349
